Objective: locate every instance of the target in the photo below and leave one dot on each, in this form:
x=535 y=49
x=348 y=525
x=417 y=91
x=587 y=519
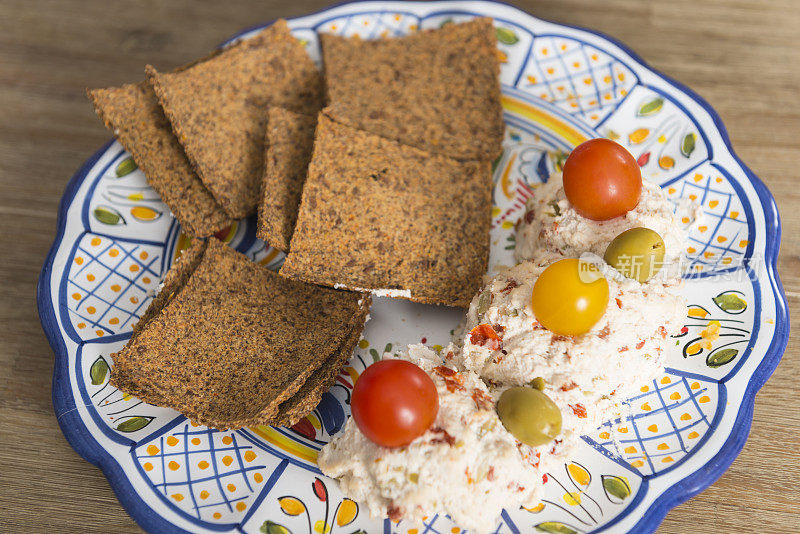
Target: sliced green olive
x=637 y=253
x=530 y=415
x=538 y=383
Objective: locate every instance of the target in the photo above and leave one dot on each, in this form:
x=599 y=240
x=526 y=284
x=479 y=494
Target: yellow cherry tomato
x=569 y=297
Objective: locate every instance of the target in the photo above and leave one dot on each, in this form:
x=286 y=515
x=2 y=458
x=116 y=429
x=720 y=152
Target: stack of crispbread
x=385 y=190
x=398 y=194
x=198 y=132
x=383 y=215
x=229 y=343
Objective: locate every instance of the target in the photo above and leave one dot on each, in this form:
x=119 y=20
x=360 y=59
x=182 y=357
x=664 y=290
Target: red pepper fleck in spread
x=619 y=303
x=640 y=344
x=530 y=215
x=484 y=335
x=490 y=474
x=509 y=286
x=394 y=513
x=452 y=380
x=544 y=478
x=445 y=436
x=527 y=457
x=579 y=410
x=569 y=387
x=443 y=371
x=623 y=349
x=663 y=332
x=482 y=400
x=605 y=332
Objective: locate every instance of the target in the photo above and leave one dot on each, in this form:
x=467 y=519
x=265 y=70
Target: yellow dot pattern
x=102 y=270
x=161 y=455
x=661 y=441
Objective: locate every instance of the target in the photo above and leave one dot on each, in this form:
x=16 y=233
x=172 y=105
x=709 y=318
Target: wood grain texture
x=740 y=55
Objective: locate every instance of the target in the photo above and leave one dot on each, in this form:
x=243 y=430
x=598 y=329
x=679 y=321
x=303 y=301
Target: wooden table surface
x=740 y=55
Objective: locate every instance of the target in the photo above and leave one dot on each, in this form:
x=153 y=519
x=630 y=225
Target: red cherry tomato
x=602 y=180
x=393 y=402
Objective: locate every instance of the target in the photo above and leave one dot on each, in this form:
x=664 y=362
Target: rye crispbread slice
x=175 y=280
x=234 y=341
x=133 y=113
x=290 y=140
x=437 y=90
x=310 y=394
x=376 y=214
x=218 y=109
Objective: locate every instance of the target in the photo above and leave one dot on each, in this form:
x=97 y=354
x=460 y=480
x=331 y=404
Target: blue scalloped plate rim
x=81 y=441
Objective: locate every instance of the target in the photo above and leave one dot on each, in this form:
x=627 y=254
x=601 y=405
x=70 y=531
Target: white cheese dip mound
x=587 y=376
x=465 y=465
x=551 y=223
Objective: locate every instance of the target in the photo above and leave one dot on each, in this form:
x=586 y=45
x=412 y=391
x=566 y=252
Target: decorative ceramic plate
x=561 y=85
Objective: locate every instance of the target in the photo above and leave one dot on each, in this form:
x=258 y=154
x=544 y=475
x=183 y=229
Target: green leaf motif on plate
x=270 y=527
x=555 y=527
x=506 y=36
x=730 y=302
x=135 y=423
x=688 y=144
x=108 y=216
x=98 y=371
x=375 y=356
x=614 y=486
x=718 y=358
x=558 y=158
x=511 y=245
x=497 y=161
x=125 y=167
x=651 y=107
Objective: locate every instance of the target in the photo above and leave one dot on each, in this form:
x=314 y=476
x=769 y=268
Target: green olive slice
x=529 y=415
x=637 y=253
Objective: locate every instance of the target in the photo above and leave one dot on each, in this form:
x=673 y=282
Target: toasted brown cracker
x=173 y=282
x=132 y=112
x=218 y=109
x=306 y=399
x=377 y=214
x=235 y=341
x=437 y=90
x=290 y=140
